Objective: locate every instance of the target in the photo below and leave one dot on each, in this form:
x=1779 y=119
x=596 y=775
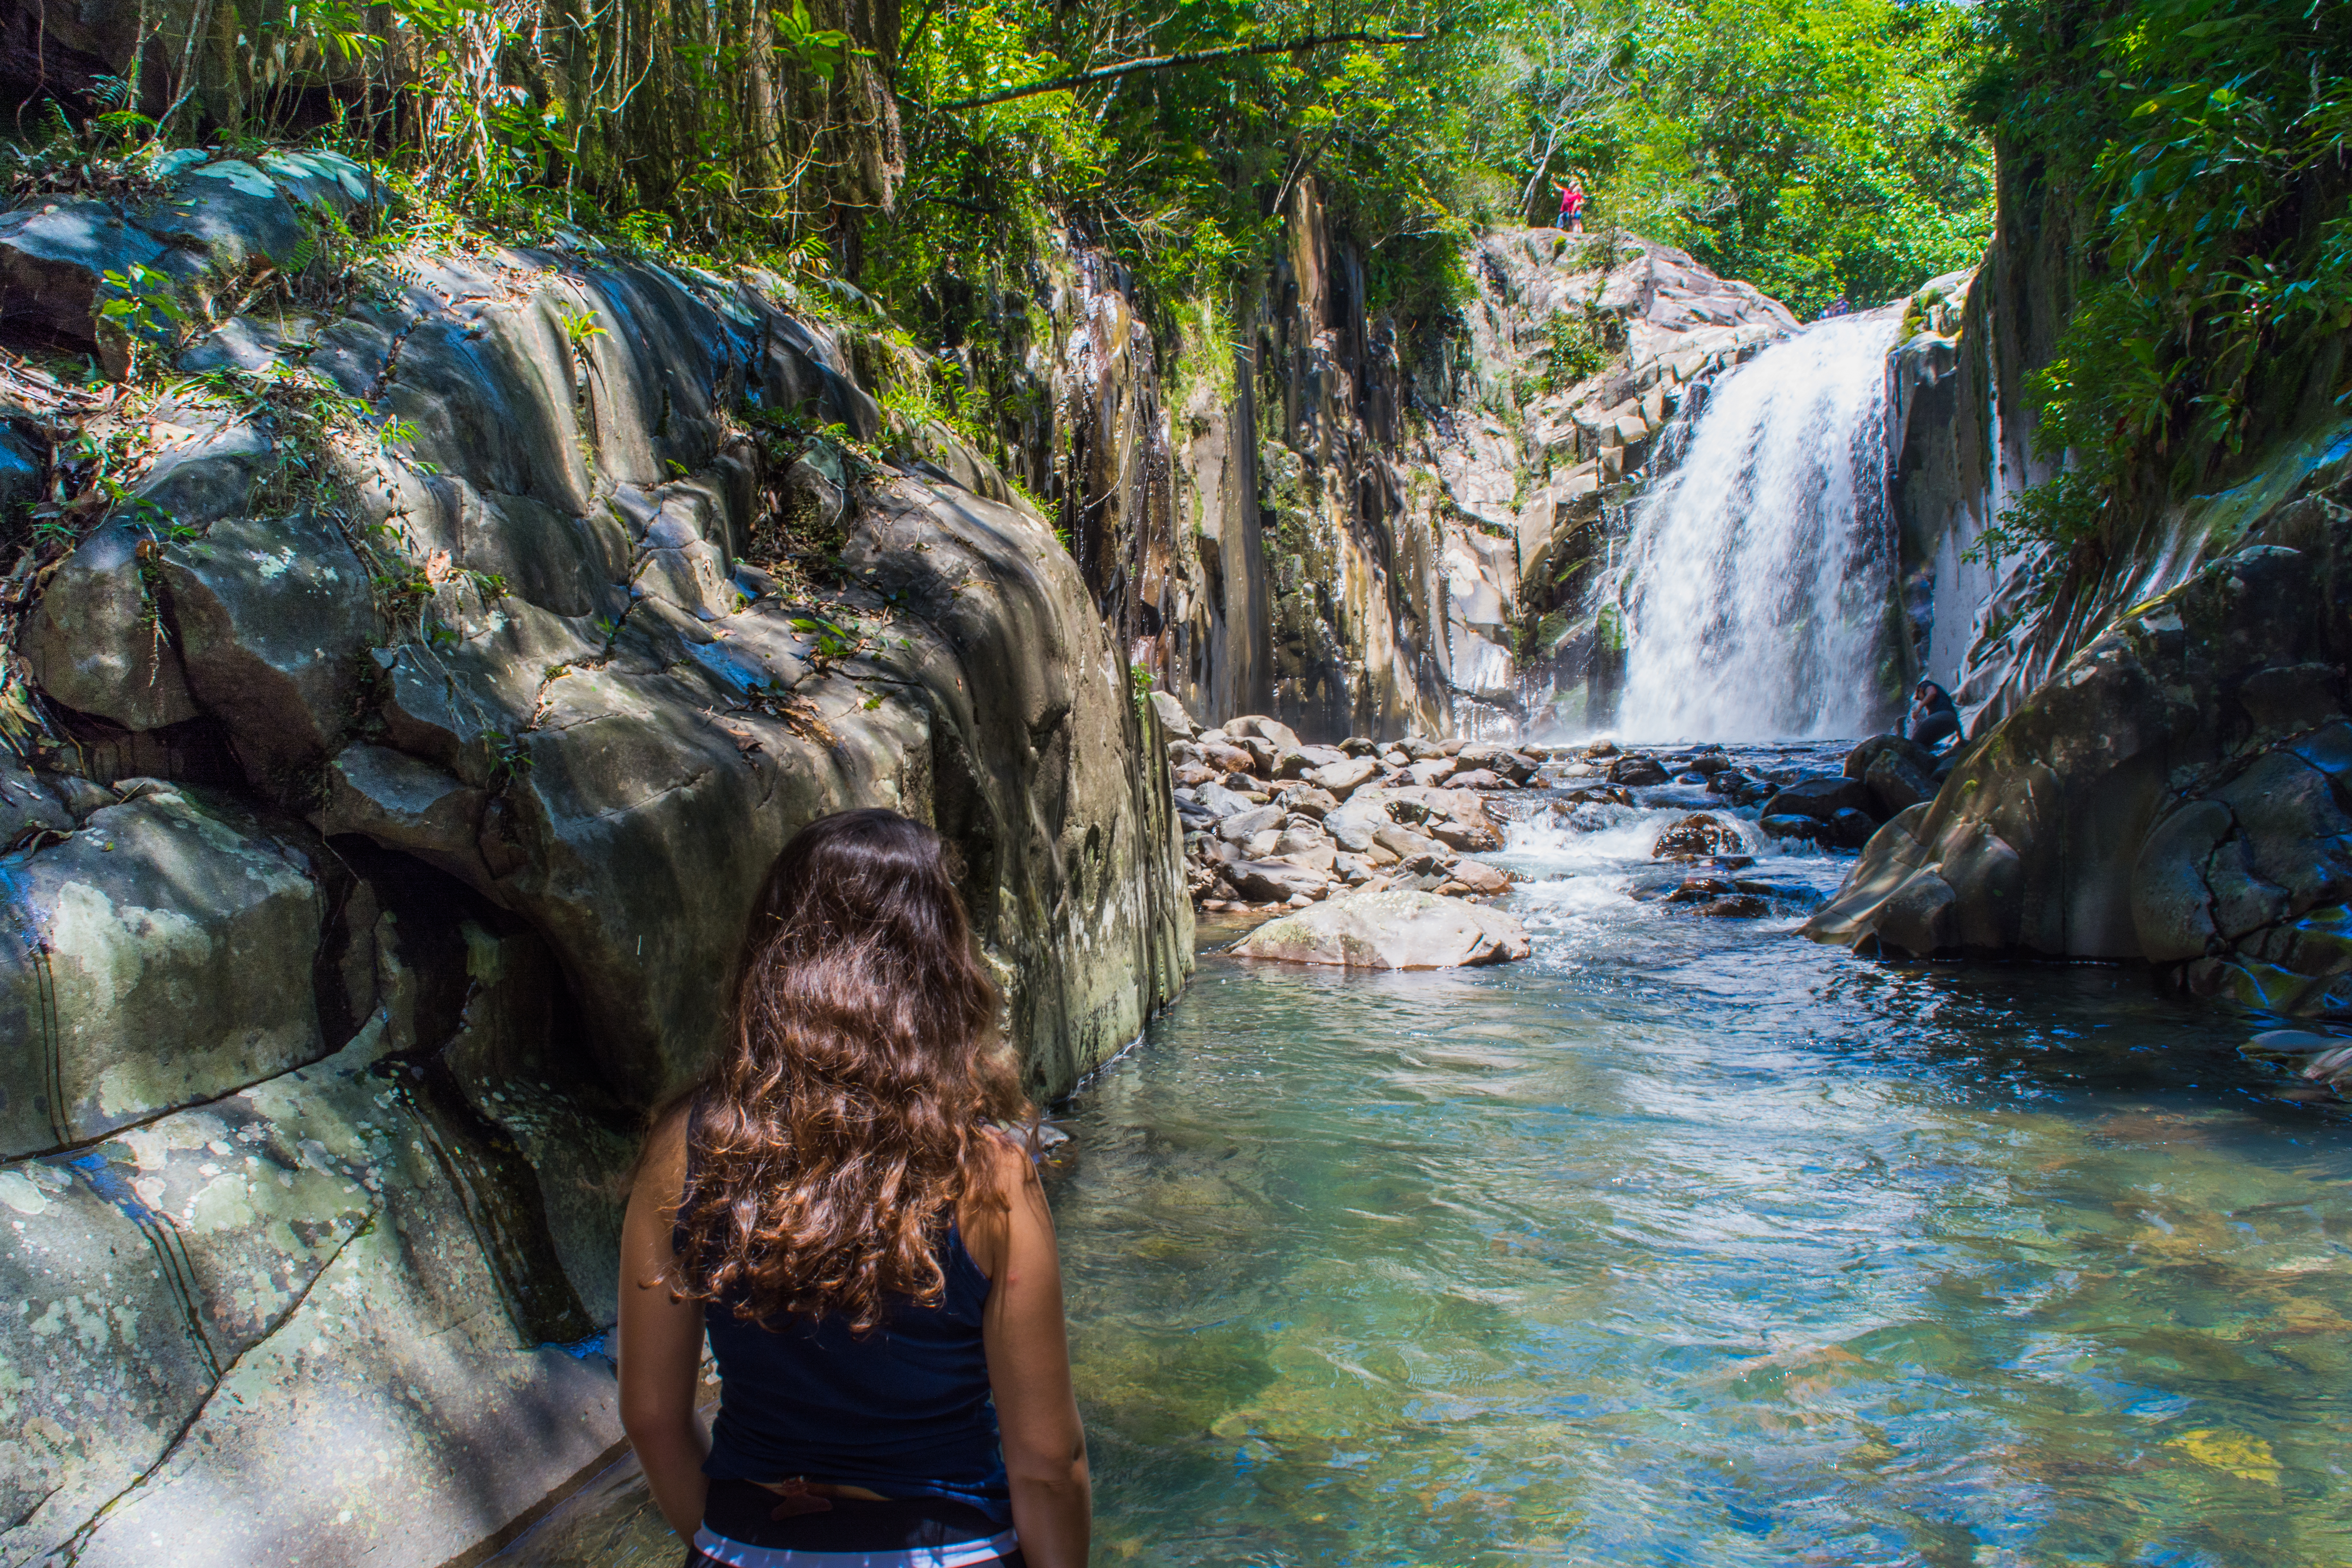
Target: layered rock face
x=2180 y=793
x=1354 y=525
x=422 y=718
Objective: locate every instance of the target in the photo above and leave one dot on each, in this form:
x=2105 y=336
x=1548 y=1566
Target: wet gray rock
x=1696 y=836
x=272 y=617
x=1636 y=770
x=2174 y=796
x=1899 y=773
x=1392 y=929
x=161 y=955
x=95 y=643
x=1821 y=797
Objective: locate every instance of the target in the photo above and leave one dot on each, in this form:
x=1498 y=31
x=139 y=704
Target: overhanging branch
x=1194 y=58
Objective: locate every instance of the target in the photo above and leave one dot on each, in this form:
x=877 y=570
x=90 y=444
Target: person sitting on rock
x=871 y=1256
x=1935 y=718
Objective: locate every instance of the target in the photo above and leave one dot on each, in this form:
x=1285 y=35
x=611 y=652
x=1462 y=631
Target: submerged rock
x=1391 y=931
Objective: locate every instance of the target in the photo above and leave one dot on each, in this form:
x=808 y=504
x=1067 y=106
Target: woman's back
x=903 y=1408
x=872 y=1265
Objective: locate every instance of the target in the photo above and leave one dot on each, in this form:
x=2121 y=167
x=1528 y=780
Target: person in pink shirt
x=1572 y=206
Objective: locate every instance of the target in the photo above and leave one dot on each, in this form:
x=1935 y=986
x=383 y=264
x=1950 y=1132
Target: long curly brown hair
x=840 y=1129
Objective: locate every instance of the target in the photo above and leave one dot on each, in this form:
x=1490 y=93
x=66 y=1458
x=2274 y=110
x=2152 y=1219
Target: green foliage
x=1813 y=147
x=2193 y=148
x=144 y=301
x=1577 y=344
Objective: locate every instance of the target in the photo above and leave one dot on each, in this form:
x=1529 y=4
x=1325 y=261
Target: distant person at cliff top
x=1572 y=206
x=1935 y=718
x=871 y=1256
x=1840 y=306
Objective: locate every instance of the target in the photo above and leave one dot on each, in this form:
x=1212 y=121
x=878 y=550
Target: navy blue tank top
x=903 y=1411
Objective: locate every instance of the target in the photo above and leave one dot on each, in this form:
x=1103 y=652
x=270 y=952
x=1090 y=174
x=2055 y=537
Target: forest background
x=909 y=162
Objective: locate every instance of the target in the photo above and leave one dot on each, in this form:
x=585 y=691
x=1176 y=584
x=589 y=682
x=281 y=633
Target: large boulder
x=1389 y=931
x=479 y=767
x=96 y=642
x=2173 y=795
x=272 y=617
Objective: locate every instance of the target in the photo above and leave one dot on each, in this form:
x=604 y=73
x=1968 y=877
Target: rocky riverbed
x=1272 y=825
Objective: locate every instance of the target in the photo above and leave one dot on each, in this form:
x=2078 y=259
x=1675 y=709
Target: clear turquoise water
x=1692 y=1242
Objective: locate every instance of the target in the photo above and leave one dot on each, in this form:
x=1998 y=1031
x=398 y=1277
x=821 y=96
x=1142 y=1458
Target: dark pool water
x=1689 y=1241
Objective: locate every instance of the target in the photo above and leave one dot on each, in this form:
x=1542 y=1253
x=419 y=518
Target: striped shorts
x=909 y=1533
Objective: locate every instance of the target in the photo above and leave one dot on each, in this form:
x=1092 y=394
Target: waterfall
x=1759 y=572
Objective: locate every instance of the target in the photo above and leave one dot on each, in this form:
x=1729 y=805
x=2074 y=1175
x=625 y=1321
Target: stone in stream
x=1636 y=770
x=1808 y=829
x=1391 y=930
x=1306 y=800
x=1850 y=828
x=1219 y=801
x=1477 y=879
x=1478 y=778
x=1409 y=847
x=1433 y=770
x=1696 y=836
x=1466 y=836
x=1300 y=762
x=1736 y=906
x=1821 y=797
x=1256 y=726
x=1244 y=826
x=1737 y=788
x=1500 y=760
x=1227 y=757
x=1306 y=848
x=1272 y=881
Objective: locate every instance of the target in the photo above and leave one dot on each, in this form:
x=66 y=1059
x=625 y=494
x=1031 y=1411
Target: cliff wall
x=2157 y=767
x=1292 y=502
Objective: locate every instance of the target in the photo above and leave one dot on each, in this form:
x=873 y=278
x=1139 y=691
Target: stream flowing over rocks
x=398 y=735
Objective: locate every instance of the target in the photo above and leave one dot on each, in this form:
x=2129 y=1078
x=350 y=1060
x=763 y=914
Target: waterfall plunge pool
x=1689 y=1241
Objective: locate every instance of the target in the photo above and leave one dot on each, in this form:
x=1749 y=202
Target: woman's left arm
x=661 y=1338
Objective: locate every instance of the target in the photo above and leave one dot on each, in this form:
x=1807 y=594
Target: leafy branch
x=1189 y=58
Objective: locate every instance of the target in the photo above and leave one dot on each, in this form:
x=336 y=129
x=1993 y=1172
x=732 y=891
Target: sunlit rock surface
x=407 y=802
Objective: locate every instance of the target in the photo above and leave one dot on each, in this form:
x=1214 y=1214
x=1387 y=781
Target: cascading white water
x=1757 y=572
